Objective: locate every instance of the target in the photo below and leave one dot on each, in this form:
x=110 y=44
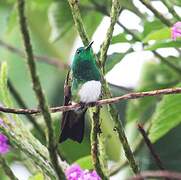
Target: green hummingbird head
x=84 y=53
x=84 y=64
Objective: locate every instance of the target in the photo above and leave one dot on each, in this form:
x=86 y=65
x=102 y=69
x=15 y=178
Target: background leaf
x=166 y=117
x=119 y=38
x=38 y=176
x=164 y=44
x=85 y=162
x=161 y=34
x=60 y=19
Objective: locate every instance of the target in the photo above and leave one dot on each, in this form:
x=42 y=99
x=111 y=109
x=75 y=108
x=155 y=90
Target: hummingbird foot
x=92 y=104
x=82 y=105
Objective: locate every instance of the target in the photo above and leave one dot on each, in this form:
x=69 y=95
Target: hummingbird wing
x=72 y=124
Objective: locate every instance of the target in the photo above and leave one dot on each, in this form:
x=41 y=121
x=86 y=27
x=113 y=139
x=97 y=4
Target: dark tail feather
x=72 y=126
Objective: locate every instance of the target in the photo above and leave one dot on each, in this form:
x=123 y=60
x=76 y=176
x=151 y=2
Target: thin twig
x=151 y=148
x=171 y=9
x=38 y=90
x=98 y=103
x=22 y=104
x=137 y=145
x=168 y=63
x=157 y=174
x=49 y=60
x=7 y=169
x=155 y=12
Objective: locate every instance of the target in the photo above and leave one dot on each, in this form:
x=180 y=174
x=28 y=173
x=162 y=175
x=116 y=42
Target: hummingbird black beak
x=89 y=45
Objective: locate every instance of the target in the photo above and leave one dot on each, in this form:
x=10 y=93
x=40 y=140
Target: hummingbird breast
x=86 y=70
x=90 y=91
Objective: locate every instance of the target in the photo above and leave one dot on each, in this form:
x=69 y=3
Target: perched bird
x=85 y=88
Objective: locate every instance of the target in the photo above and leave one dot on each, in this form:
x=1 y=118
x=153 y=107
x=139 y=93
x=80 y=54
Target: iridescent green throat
x=84 y=66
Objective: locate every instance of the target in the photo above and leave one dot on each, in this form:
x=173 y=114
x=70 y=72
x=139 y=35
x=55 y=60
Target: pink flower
x=74 y=172
x=4 y=145
x=176 y=30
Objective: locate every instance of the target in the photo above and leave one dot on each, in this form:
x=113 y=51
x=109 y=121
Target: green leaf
x=91 y=20
x=12 y=20
x=175 y=2
x=60 y=19
x=161 y=34
x=151 y=26
x=113 y=59
x=85 y=162
x=166 y=117
x=119 y=38
x=37 y=176
x=164 y=44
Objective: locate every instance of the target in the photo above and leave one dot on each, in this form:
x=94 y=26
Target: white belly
x=90 y=91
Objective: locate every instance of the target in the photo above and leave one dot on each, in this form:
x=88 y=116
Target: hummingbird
x=85 y=88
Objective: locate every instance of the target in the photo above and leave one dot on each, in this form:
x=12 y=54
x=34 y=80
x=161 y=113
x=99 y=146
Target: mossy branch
x=78 y=21
x=95 y=143
x=38 y=90
x=115 y=10
x=7 y=169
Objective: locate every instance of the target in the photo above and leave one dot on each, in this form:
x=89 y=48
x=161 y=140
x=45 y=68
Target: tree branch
x=45 y=59
x=98 y=103
x=157 y=174
x=148 y=4
x=38 y=90
x=151 y=148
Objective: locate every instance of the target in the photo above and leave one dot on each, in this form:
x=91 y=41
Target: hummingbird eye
x=78 y=51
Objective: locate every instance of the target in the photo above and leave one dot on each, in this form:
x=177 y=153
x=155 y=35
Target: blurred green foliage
x=53 y=34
